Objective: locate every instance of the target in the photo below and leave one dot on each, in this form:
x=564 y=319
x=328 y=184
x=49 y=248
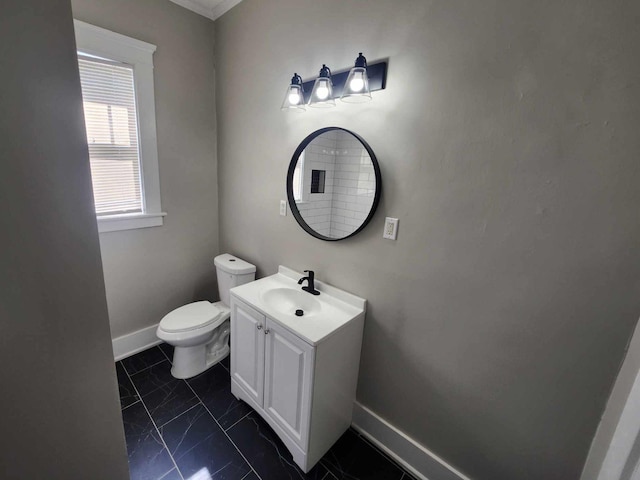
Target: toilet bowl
x=199 y=331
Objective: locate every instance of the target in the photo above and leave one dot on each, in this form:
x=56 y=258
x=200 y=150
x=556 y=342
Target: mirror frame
x=292 y=166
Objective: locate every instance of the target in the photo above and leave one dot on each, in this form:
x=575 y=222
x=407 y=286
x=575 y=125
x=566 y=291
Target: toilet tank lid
x=230 y=264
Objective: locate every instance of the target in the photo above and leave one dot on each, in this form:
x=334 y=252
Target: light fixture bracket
x=296 y=79
x=377 y=73
x=325 y=72
x=361 y=61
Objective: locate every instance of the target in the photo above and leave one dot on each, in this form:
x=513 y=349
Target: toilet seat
x=192 y=316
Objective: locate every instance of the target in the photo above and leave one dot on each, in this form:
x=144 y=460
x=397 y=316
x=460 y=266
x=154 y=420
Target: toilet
x=199 y=331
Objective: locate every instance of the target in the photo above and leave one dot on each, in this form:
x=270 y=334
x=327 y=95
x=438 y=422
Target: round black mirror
x=333 y=184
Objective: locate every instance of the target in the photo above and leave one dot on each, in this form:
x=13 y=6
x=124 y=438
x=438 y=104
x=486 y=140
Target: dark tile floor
x=197 y=430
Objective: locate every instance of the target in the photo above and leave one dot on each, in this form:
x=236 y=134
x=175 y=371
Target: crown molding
x=212 y=9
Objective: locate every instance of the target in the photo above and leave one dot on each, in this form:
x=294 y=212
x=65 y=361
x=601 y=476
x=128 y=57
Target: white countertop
x=337 y=306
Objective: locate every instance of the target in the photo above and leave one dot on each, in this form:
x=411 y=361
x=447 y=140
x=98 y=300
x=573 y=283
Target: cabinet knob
x=266 y=332
x=259 y=327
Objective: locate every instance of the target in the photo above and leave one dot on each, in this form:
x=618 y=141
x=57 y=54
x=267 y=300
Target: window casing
x=118 y=94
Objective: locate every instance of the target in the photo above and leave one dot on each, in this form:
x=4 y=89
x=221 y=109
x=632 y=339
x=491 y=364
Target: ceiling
x=208 y=8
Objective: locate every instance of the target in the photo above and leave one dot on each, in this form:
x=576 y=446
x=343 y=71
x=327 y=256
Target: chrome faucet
x=311 y=287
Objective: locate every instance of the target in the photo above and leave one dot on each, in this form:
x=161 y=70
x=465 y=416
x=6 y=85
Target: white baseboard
x=417 y=459
x=135 y=342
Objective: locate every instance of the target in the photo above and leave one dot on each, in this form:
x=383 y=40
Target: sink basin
x=278 y=296
x=288 y=300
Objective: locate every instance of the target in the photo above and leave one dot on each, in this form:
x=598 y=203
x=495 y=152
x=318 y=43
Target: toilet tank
x=232 y=271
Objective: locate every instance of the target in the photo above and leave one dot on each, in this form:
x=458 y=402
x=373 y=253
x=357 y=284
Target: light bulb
x=357 y=83
x=294 y=98
x=322 y=92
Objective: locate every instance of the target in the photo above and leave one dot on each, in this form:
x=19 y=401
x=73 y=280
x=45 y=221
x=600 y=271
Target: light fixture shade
x=356 y=88
x=322 y=93
x=294 y=98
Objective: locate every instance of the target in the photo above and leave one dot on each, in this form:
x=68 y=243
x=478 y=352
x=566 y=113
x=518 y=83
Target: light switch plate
x=390 y=228
x=283 y=208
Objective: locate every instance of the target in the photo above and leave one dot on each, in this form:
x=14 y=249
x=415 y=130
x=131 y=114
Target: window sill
x=114 y=223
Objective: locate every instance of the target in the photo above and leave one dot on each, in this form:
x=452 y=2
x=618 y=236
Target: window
x=112 y=135
x=298 y=174
x=116 y=73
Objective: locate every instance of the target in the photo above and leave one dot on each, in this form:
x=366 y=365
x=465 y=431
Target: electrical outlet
x=390 y=228
x=283 y=208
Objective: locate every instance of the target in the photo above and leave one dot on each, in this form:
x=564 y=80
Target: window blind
x=112 y=135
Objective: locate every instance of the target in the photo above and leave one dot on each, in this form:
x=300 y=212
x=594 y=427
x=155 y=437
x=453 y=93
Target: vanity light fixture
x=322 y=93
x=356 y=88
x=294 y=98
x=350 y=86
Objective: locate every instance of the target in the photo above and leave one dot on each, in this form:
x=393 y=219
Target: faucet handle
x=311 y=286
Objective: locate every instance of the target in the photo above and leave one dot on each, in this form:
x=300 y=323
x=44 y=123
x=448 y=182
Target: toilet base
x=191 y=361
x=187 y=364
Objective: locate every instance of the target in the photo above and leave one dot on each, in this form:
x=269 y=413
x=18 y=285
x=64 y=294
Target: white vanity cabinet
x=247 y=347
x=274 y=367
x=302 y=385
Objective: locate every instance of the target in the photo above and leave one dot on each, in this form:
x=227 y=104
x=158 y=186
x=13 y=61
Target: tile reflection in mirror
x=334 y=184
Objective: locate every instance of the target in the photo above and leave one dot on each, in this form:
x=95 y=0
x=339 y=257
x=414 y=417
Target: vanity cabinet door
x=247 y=349
x=288 y=380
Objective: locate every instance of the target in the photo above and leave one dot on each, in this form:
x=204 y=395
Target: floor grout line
x=330 y=475
x=235 y=423
x=131 y=404
x=385 y=455
x=165 y=355
x=165 y=475
x=148 y=366
x=179 y=415
x=225 y=432
x=172 y=380
x=154 y=424
x=229 y=357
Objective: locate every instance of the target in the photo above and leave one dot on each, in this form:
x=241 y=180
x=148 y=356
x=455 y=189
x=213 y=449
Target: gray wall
x=508 y=142
x=59 y=397
x=150 y=271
